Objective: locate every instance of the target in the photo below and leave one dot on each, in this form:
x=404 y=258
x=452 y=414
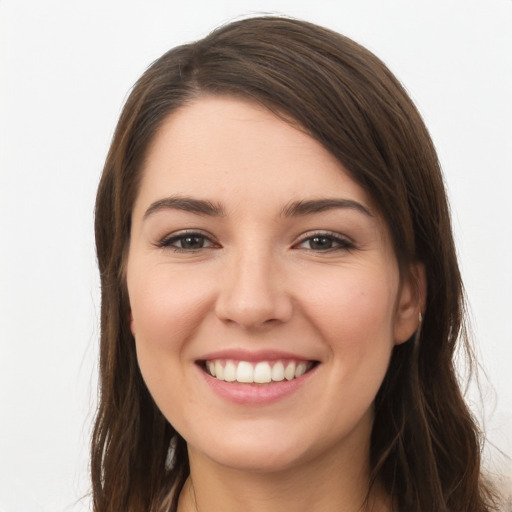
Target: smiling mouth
x=262 y=372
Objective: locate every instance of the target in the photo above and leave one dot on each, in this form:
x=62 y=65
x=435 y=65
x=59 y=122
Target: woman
x=281 y=300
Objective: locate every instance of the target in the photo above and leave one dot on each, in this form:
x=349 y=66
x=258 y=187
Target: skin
x=261 y=283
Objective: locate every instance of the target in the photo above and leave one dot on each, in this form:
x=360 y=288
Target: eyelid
x=343 y=242
x=166 y=241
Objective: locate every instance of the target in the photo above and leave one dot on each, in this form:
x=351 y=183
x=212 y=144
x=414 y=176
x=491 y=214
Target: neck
x=326 y=484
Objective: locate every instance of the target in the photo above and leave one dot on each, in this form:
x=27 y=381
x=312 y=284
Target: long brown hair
x=425 y=446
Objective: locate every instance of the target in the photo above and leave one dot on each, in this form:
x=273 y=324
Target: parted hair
x=425 y=445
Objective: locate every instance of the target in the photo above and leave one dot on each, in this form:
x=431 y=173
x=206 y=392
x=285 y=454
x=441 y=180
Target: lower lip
x=256 y=394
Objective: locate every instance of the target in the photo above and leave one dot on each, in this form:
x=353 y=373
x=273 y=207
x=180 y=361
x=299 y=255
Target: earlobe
x=411 y=303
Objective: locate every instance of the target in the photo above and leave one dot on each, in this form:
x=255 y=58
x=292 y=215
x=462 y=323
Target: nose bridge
x=252 y=293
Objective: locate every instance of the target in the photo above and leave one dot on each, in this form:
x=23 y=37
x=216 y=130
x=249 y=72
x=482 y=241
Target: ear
x=411 y=302
x=132 y=325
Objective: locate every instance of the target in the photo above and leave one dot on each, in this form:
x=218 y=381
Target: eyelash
x=168 y=241
x=340 y=243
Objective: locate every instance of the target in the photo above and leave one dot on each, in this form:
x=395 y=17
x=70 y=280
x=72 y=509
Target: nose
x=253 y=292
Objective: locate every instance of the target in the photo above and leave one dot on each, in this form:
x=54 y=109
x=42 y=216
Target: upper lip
x=253 y=355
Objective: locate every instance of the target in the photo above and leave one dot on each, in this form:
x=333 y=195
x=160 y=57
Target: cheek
x=165 y=304
x=167 y=308
x=354 y=312
x=353 y=306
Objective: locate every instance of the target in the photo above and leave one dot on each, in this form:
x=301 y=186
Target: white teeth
x=262 y=373
x=219 y=370
x=278 y=372
x=289 y=372
x=245 y=372
x=259 y=373
x=230 y=371
x=300 y=370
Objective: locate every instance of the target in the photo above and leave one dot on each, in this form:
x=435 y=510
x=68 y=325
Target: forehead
x=237 y=150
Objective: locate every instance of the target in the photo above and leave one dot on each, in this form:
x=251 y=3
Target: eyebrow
x=187 y=204
x=298 y=208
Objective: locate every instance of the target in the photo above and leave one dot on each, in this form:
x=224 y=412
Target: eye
x=324 y=242
x=186 y=242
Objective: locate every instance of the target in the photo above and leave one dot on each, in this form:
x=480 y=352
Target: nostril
x=255 y=312
x=252 y=292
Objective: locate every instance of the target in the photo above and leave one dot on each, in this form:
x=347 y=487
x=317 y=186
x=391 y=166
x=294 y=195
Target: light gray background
x=65 y=69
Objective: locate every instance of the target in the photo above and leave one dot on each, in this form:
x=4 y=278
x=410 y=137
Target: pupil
x=321 y=242
x=192 y=242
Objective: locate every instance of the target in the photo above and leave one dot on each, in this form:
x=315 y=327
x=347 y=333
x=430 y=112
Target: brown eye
x=324 y=242
x=186 y=242
x=191 y=242
x=320 y=243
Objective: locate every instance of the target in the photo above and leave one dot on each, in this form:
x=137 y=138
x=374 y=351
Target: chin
x=249 y=450
x=256 y=459
x=266 y=450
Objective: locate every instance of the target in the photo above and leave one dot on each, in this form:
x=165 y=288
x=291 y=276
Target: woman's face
x=256 y=258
